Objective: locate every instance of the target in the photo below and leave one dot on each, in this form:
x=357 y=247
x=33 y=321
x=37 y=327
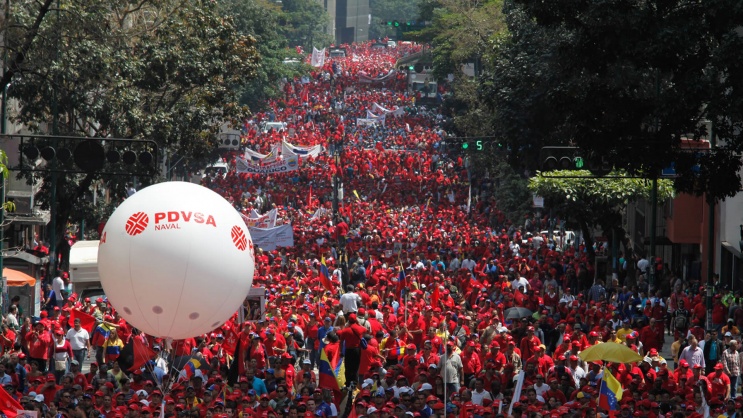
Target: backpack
x=680 y=322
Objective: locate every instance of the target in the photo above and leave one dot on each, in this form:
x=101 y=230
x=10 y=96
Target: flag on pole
x=610 y=393
x=331 y=370
x=142 y=354
x=8 y=405
x=325 y=276
x=189 y=369
x=86 y=321
x=401 y=281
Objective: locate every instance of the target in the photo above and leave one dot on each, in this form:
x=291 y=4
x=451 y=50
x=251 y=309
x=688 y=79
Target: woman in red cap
x=62 y=354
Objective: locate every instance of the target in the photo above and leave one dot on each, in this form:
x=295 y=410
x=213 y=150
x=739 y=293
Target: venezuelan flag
x=325 y=276
x=610 y=393
x=100 y=335
x=400 y=350
x=332 y=371
x=190 y=368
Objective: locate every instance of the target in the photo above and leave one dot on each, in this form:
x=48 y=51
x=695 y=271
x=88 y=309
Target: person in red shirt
x=417 y=328
x=48 y=389
x=351 y=336
x=471 y=364
x=39 y=346
x=719 y=382
x=544 y=362
x=275 y=344
x=529 y=343
x=554 y=391
x=257 y=352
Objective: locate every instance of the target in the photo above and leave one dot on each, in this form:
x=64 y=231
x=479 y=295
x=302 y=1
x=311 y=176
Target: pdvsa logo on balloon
x=239 y=238
x=172 y=219
x=137 y=223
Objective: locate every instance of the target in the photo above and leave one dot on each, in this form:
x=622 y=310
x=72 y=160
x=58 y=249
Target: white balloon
x=176 y=260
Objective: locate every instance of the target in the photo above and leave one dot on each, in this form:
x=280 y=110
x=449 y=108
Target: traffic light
x=599 y=165
x=560 y=158
x=573 y=158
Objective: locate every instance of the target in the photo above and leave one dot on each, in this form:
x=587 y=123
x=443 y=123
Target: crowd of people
x=421 y=299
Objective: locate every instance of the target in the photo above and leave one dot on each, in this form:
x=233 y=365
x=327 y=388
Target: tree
x=165 y=70
x=305 y=22
x=595 y=202
x=625 y=80
x=462 y=33
x=260 y=19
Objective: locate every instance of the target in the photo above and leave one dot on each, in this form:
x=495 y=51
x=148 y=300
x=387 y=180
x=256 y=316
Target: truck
x=84 y=270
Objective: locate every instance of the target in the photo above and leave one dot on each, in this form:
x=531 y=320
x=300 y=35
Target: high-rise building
x=349 y=20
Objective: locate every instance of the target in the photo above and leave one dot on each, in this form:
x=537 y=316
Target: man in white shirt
x=58 y=286
x=468 y=263
x=479 y=394
x=79 y=341
x=520 y=282
x=350 y=300
x=540 y=386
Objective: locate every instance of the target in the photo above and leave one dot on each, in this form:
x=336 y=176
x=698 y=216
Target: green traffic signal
x=389 y=23
x=396 y=23
x=578 y=162
x=465 y=145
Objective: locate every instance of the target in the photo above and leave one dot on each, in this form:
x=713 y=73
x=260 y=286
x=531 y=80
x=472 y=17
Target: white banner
x=270 y=238
x=255 y=220
x=318 y=57
x=284 y=165
x=396 y=112
x=320 y=212
x=365 y=78
x=369 y=122
x=301 y=151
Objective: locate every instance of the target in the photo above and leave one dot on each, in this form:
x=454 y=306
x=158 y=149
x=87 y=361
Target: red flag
x=309 y=199
x=435 y=296
x=86 y=321
x=8 y=405
x=142 y=354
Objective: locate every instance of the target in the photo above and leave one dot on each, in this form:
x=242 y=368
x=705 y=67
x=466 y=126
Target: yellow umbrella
x=613 y=352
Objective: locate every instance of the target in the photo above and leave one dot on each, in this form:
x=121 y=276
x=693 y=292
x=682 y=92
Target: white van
x=277 y=126
x=84 y=270
x=219 y=168
x=561 y=239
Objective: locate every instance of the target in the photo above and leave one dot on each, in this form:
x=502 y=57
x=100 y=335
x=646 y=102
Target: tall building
x=349 y=20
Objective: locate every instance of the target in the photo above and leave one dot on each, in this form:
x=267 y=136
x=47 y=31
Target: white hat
x=371 y=410
x=367 y=383
x=425 y=386
x=142 y=393
x=728 y=334
x=39 y=398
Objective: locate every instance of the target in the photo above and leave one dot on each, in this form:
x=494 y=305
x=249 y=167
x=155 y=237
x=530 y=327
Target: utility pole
x=711 y=236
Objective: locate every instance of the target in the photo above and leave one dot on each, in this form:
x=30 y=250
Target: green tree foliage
x=261 y=20
x=462 y=33
x=594 y=202
x=304 y=24
x=512 y=194
x=164 y=70
x=627 y=80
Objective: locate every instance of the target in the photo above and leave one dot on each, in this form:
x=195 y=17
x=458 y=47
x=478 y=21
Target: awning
x=17 y=278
